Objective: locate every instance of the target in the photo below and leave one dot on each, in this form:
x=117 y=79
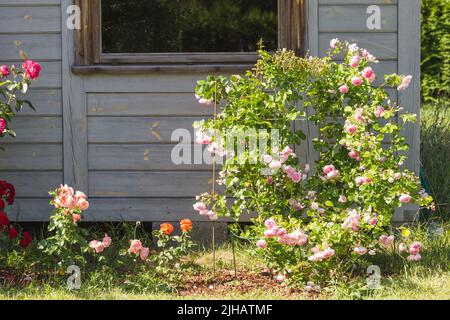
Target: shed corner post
x=74 y=110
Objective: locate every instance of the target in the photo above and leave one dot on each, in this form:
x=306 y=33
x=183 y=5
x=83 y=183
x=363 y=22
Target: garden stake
x=234 y=254
x=213 y=225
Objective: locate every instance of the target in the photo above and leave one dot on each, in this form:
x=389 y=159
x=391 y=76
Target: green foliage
x=435 y=49
x=435 y=152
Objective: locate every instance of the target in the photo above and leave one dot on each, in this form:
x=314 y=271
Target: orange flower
x=186 y=225
x=166 y=228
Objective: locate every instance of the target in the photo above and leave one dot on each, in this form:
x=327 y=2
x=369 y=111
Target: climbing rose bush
x=339 y=205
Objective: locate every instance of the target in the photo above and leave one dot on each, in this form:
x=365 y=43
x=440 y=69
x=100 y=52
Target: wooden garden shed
x=110 y=95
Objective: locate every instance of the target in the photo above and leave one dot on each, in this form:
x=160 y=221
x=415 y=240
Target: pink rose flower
x=369 y=74
x=372 y=252
x=203 y=138
x=280 y=278
x=83 y=204
x=414 y=258
x=379 y=112
x=4 y=71
x=76 y=217
x=97 y=246
x=386 y=240
x=415 y=247
x=212 y=215
x=32 y=69
x=405 y=198
x=351 y=129
x=199 y=206
x=354 y=62
x=357 y=81
x=261 y=244
x=135 y=246
x=334 y=42
x=106 y=241
x=275 y=164
x=360 y=250
x=144 y=253
x=271 y=233
x=329 y=168
x=204 y=102
x=267 y=158
x=342 y=199
x=402 y=247
x=2 y=125
x=354 y=155
x=270 y=223
x=269 y=180
x=344 y=89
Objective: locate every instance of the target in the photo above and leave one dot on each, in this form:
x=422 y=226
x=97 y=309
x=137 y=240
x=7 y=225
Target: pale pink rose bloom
x=275 y=164
x=65 y=189
x=360 y=250
x=280 y=278
x=416 y=257
x=333 y=174
x=353 y=47
x=315 y=206
x=267 y=158
x=402 y=247
x=386 y=240
x=354 y=155
x=296 y=177
x=212 y=215
x=261 y=243
x=298 y=238
x=372 y=252
x=135 y=246
x=199 y=206
x=203 y=213
x=342 y=199
x=106 y=241
x=352 y=221
x=334 y=42
x=379 y=112
x=406 y=81
x=405 y=198
x=351 y=129
x=369 y=74
x=271 y=233
x=354 y=62
x=270 y=223
x=80 y=195
x=327 y=169
x=144 y=253
x=204 y=102
x=344 y=89
x=93 y=243
x=357 y=81
x=281 y=232
x=203 y=138
x=373 y=221
x=358 y=115
x=83 y=204
x=288 y=170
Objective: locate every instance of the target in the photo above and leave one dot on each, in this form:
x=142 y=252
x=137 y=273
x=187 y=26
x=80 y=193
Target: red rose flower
x=2 y=204
x=4 y=71
x=4 y=221
x=2 y=124
x=13 y=233
x=26 y=240
x=10 y=193
x=32 y=69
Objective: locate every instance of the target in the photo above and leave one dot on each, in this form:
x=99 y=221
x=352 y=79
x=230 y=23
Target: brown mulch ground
x=225 y=283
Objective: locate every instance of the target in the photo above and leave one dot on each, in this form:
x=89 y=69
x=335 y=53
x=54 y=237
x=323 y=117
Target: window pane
x=144 y=26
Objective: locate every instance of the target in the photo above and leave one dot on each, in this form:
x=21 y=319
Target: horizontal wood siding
x=33 y=161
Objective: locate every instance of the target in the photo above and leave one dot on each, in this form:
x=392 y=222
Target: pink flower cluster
x=99 y=246
x=414 y=250
x=362 y=180
x=293 y=174
x=369 y=74
x=136 y=248
x=405 y=198
x=204 y=211
x=283 y=157
x=352 y=221
x=67 y=198
x=202 y=138
x=296 y=238
x=330 y=172
x=319 y=255
x=387 y=241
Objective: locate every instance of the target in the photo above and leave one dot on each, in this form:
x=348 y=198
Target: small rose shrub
x=336 y=209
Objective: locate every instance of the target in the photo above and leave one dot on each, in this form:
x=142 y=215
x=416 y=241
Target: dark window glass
x=145 y=26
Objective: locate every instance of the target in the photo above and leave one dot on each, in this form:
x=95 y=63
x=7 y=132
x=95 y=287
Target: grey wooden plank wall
x=33 y=161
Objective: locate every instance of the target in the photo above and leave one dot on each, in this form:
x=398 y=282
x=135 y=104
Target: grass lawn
x=428 y=280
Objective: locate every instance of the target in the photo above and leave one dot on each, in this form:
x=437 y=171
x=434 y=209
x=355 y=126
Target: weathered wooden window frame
x=291 y=15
